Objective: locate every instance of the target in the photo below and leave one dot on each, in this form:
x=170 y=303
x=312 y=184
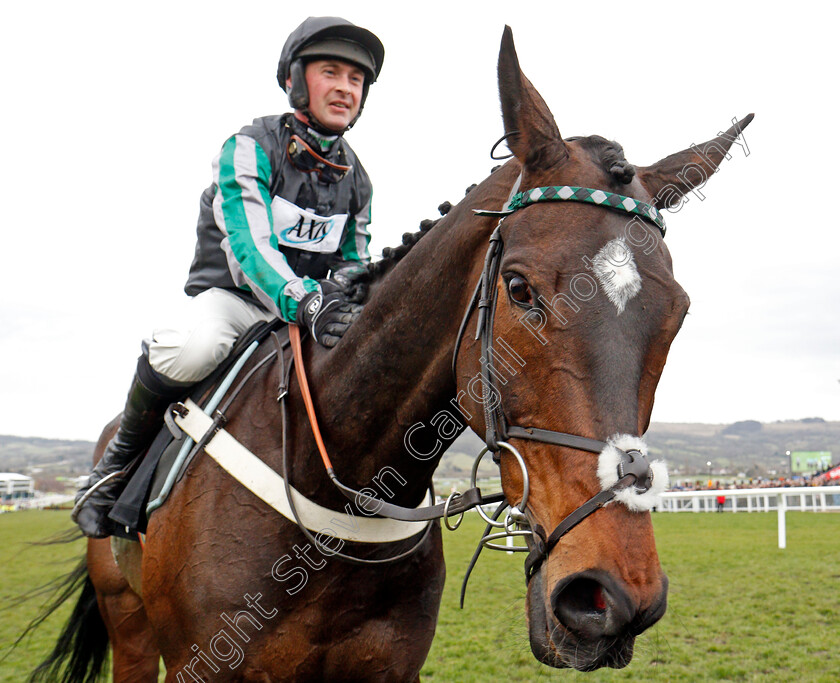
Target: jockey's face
x=335 y=92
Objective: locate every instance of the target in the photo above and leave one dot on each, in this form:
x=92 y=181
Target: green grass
x=24 y=567
x=739 y=609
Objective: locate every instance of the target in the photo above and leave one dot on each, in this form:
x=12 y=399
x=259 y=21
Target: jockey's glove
x=353 y=285
x=327 y=316
x=333 y=285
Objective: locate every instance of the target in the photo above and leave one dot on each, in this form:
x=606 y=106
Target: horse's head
x=586 y=307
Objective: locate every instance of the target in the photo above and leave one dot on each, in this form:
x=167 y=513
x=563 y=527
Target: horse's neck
x=392 y=370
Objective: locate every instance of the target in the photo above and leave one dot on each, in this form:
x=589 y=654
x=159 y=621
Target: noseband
x=633 y=467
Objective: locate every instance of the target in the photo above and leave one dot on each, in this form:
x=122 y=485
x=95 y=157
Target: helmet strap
x=298 y=93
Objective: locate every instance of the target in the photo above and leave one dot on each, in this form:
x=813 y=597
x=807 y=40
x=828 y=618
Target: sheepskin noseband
x=613 y=464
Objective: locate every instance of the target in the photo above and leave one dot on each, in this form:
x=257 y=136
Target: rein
x=456 y=504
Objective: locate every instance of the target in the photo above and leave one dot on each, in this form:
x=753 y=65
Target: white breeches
x=203 y=336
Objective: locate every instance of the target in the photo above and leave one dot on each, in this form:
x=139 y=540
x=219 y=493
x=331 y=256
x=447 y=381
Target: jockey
x=282 y=232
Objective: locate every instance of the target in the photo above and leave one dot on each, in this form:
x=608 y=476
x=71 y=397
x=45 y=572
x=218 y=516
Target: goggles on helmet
x=306 y=159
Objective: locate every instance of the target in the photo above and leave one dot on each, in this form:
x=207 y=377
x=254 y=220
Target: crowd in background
x=819 y=479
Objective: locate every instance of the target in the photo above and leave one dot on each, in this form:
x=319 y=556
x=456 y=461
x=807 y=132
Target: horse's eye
x=520 y=291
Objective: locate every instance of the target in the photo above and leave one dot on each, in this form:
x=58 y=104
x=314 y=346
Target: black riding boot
x=140 y=422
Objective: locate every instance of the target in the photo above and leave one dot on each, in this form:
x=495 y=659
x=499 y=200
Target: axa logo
x=307 y=231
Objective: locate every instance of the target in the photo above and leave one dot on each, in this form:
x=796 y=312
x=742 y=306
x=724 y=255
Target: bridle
x=633 y=467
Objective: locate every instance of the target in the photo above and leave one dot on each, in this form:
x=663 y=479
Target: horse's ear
x=532 y=134
x=669 y=179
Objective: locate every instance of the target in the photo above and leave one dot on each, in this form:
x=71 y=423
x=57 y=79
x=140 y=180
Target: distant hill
x=749 y=447
x=21 y=454
x=53 y=463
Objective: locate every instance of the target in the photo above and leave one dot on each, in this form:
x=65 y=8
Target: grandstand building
x=14 y=487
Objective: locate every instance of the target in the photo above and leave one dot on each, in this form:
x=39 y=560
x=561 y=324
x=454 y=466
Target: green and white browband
x=569 y=193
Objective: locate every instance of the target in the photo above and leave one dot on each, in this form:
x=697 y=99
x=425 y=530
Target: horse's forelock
x=610 y=155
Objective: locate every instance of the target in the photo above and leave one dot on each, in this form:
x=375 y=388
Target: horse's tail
x=82 y=648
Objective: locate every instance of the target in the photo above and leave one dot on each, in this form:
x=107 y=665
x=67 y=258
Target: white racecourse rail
x=812 y=498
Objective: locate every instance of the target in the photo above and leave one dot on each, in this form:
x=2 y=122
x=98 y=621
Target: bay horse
x=569 y=344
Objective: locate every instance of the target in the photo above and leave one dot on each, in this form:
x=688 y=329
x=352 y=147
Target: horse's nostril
x=578 y=601
x=591 y=604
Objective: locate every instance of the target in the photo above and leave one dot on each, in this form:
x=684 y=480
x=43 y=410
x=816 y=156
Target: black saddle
x=148 y=472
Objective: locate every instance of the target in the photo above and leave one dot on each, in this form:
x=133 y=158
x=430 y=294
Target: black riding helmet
x=327 y=37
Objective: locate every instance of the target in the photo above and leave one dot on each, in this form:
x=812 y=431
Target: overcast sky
x=112 y=113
